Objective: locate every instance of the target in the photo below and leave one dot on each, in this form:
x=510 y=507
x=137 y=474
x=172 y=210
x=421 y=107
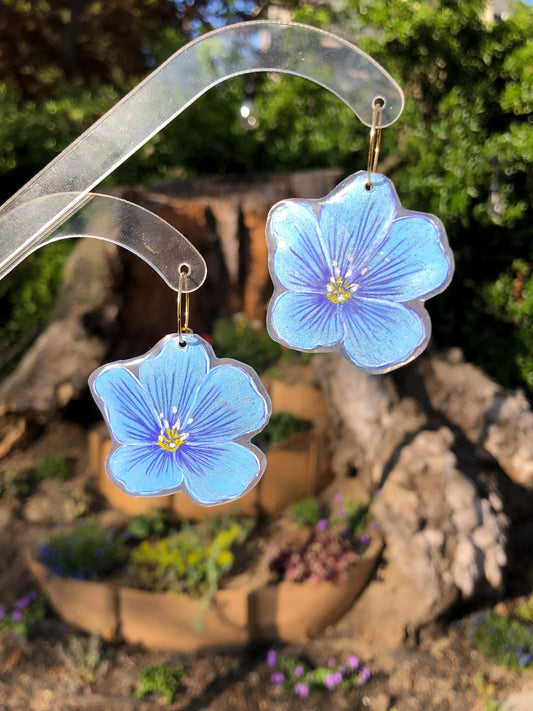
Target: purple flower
x=374 y=525
x=22 y=603
x=330 y=681
x=364 y=675
x=365 y=538
x=338 y=677
x=322 y=524
x=277 y=678
x=352 y=662
x=332 y=662
x=272 y=658
x=301 y=690
x=299 y=671
x=2 y=611
x=33 y=595
x=338 y=497
x=16 y=615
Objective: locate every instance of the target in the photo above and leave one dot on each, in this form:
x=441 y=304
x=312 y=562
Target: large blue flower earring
x=351 y=271
x=181 y=419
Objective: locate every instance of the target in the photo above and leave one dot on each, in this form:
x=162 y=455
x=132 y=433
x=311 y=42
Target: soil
x=433 y=670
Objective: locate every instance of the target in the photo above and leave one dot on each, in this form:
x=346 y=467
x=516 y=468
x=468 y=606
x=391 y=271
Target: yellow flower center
x=170 y=439
x=339 y=290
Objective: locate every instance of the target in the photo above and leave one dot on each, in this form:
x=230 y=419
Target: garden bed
x=248 y=604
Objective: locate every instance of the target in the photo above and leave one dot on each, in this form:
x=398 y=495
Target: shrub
x=191 y=561
x=88 y=552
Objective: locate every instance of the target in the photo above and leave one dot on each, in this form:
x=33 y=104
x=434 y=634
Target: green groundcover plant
x=159 y=678
x=25 y=612
x=505 y=639
x=299 y=677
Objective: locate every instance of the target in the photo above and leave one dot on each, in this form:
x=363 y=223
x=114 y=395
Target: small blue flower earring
x=351 y=271
x=181 y=419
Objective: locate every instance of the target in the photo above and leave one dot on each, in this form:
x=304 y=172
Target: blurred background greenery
x=463 y=148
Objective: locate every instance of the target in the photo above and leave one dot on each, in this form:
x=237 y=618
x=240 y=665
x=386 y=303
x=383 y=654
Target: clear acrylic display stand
x=58 y=203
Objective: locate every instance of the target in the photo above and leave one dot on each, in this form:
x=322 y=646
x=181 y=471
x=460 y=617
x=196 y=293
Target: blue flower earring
x=351 y=271
x=181 y=419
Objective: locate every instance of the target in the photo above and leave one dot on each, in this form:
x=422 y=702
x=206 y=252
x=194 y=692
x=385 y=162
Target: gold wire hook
x=375 y=143
x=183 y=327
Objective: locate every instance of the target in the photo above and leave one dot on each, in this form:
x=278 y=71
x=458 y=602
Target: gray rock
x=442 y=508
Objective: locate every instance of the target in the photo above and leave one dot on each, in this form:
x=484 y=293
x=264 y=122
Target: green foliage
x=505 y=640
x=238 y=338
x=356 y=515
x=88 y=552
x=487 y=693
x=158 y=523
x=20 y=483
x=524 y=611
x=27 y=296
x=191 y=561
x=15 y=484
x=464 y=150
x=160 y=678
x=34 y=131
x=299 y=677
x=306 y=513
x=510 y=299
x=281 y=426
x=55 y=466
x=83 y=658
x=23 y=614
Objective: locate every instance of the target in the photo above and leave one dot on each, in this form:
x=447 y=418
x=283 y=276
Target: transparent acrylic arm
x=27 y=221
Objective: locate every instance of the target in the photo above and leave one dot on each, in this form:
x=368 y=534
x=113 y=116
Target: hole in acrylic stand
x=379 y=101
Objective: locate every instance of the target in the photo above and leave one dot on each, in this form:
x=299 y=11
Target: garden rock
x=56 y=502
x=497 y=421
x=439 y=530
x=438 y=441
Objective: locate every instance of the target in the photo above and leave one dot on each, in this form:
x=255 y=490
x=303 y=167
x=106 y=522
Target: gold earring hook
x=375 y=143
x=183 y=325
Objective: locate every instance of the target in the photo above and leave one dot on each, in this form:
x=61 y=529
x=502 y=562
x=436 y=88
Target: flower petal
x=412 y=262
x=144 y=470
x=305 y=321
x=380 y=335
x=298 y=260
x=354 y=220
x=173 y=376
x=217 y=473
x=228 y=406
x=128 y=409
